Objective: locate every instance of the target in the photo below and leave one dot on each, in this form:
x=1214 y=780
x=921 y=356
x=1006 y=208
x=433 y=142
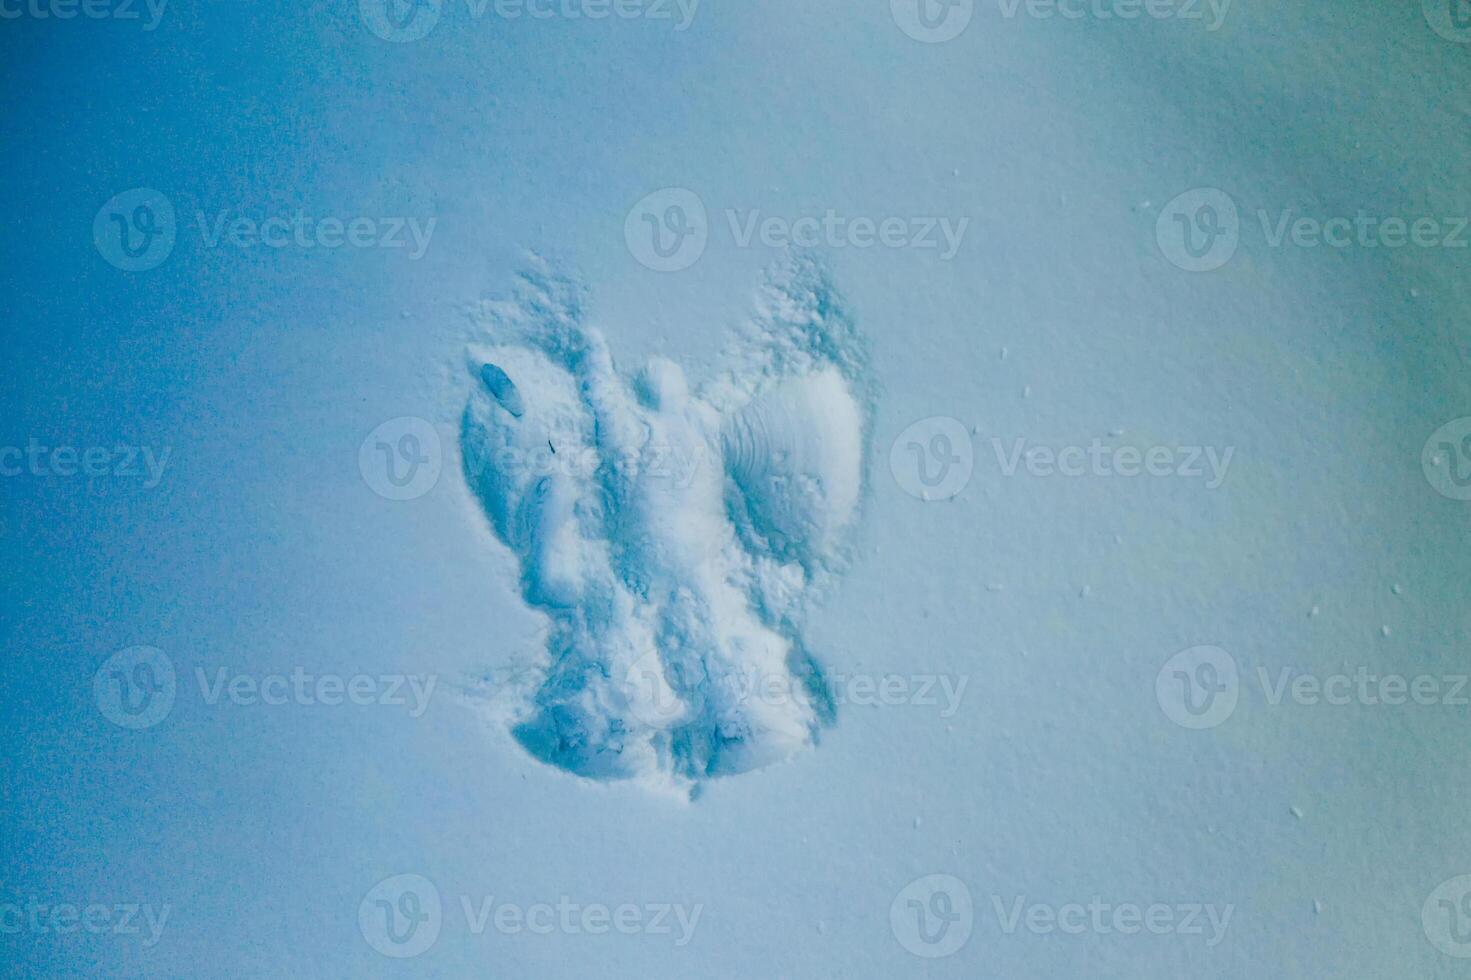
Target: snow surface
x=1042 y=765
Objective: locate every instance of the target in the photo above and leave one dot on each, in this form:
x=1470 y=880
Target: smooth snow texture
x=672 y=536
